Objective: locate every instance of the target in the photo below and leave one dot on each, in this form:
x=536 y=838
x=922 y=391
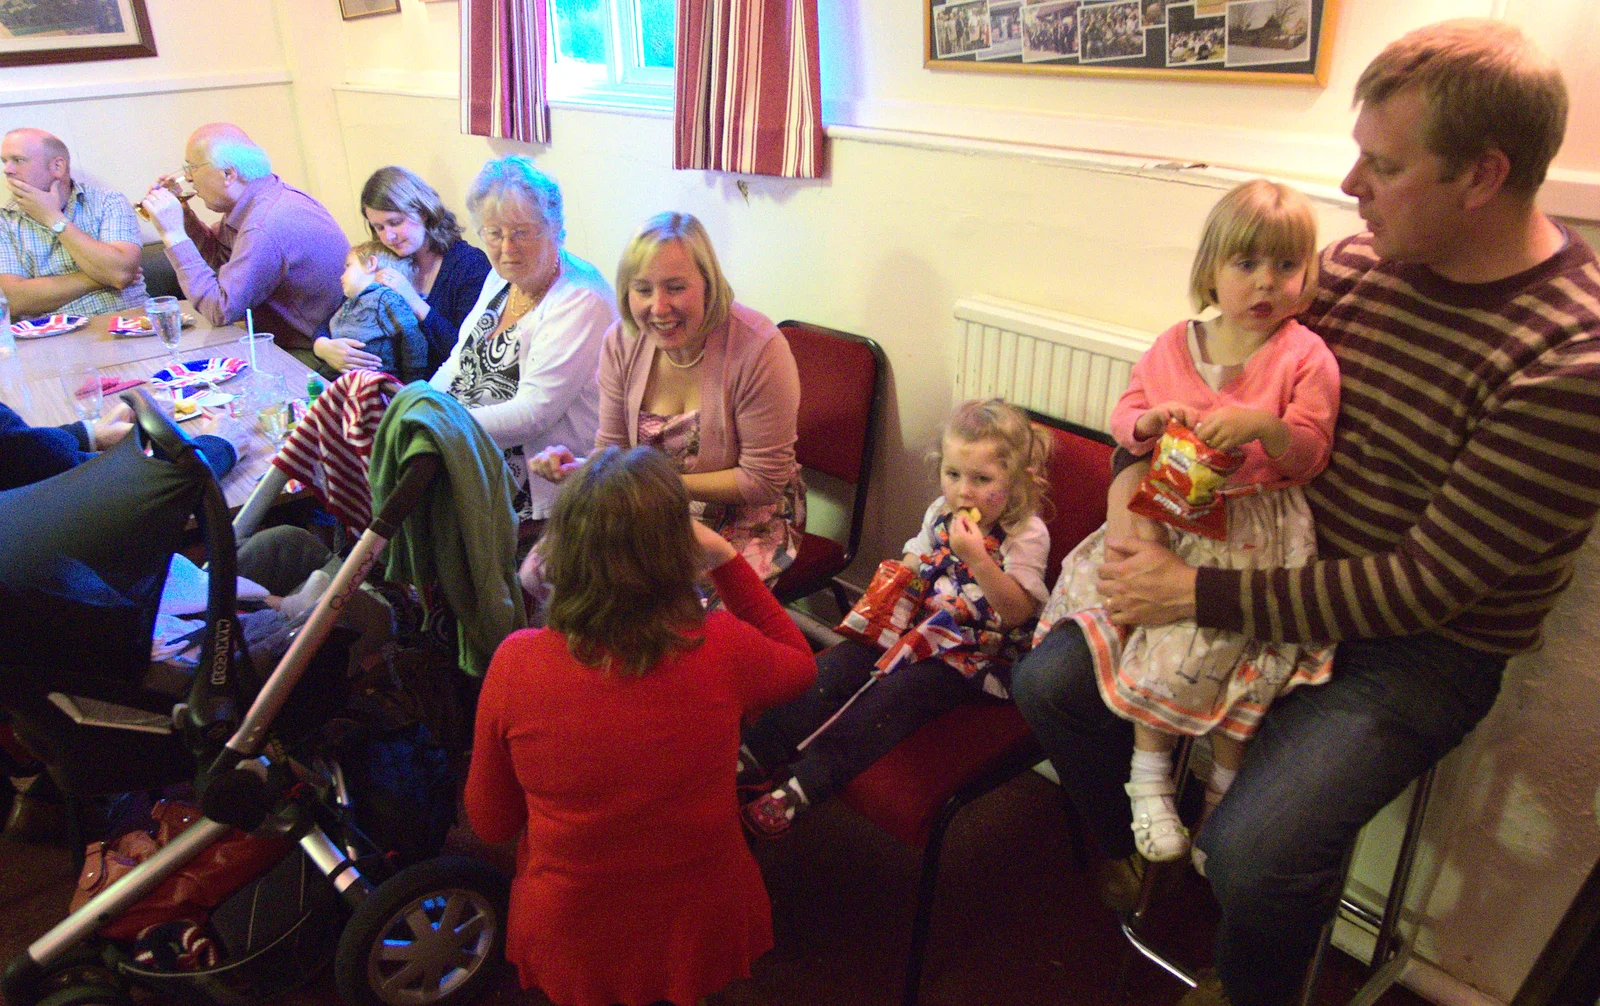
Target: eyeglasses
x=499 y=236
x=190 y=166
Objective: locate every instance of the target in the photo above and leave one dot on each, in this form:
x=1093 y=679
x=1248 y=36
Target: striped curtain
x=749 y=98
x=504 y=47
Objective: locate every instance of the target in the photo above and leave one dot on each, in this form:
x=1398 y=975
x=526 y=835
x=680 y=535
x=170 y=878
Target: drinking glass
x=268 y=397
x=167 y=320
x=83 y=389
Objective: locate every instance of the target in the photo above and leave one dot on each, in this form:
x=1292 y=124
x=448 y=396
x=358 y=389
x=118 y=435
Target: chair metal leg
x=1019 y=760
x=921 y=920
x=1080 y=851
x=840 y=598
x=1308 y=988
x=1131 y=924
x=1389 y=955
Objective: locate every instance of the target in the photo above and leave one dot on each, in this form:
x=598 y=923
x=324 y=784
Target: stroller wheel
x=84 y=964
x=92 y=993
x=433 y=933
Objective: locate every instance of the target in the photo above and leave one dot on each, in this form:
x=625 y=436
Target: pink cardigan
x=1293 y=376
x=749 y=401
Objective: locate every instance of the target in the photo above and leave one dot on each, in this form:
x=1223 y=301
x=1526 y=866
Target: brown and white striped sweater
x=1466 y=459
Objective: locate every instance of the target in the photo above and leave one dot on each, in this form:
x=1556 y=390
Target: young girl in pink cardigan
x=1252 y=380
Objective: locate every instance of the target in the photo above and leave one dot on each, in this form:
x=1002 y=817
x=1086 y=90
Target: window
x=617 y=52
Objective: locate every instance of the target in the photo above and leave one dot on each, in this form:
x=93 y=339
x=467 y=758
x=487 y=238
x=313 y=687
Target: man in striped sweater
x=1465 y=474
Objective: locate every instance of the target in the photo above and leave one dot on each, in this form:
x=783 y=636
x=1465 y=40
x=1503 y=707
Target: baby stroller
x=81 y=574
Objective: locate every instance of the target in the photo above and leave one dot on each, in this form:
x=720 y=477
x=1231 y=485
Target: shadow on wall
x=1520 y=835
x=908 y=311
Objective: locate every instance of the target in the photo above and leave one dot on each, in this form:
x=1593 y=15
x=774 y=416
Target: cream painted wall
x=885 y=245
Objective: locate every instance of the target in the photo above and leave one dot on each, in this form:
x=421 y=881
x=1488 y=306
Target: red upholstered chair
x=915 y=790
x=838 y=422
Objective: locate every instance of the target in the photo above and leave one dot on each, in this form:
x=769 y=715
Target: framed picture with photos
x=1260 y=41
x=73 y=31
x=352 y=9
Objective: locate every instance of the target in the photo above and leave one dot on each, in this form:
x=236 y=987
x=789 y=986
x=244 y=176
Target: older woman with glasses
x=406 y=215
x=526 y=360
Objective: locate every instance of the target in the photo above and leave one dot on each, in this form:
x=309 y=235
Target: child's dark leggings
x=884 y=715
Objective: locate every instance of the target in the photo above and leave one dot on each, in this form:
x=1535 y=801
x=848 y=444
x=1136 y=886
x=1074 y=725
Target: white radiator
x=1058 y=364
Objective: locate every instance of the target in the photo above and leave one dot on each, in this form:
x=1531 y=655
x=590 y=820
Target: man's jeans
x=1324 y=761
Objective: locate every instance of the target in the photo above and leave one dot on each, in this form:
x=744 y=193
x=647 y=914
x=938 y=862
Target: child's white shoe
x=1158 y=832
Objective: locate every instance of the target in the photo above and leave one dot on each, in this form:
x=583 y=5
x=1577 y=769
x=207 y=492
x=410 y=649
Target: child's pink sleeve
x=1133 y=404
x=1312 y=410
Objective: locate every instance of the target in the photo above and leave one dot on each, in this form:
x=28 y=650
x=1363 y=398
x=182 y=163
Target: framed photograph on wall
x=73 y=31
x=352 y=9
x=1261 y=41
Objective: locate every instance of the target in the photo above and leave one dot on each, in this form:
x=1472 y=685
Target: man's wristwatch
x=58 y=226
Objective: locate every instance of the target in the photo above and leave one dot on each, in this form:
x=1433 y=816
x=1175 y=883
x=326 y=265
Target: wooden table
x=95 y=344
x=31 y=385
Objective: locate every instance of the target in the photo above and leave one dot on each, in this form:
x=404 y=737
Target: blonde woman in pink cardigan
x=709 y=382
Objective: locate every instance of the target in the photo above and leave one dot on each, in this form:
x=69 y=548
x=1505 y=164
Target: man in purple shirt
x=276 y=250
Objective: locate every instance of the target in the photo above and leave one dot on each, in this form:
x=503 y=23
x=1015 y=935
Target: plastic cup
x=83 y=389
x=250 y=345
x=267 y=399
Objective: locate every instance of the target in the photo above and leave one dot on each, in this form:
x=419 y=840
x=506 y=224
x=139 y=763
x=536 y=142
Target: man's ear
x=1485 y=176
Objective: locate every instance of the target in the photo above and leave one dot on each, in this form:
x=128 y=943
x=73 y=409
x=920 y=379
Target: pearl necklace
x=691 y=364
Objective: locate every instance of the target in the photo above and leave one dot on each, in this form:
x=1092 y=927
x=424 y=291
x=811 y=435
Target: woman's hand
x=217 y=424
x=714 y=549
x=345 y=355
x=110 y=428
x=396 y=280
x=1154 y=420
x=554 y=463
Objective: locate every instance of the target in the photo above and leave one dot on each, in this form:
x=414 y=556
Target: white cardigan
x=557 y=399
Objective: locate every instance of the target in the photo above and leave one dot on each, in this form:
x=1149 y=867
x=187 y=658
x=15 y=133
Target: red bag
x=220 y=869
x=1182 y=487
x=885 y=611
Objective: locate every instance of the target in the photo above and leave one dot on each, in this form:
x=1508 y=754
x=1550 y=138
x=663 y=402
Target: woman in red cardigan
x=609 y=741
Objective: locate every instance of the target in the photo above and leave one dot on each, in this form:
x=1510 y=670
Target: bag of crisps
x=1181 y=489
x=885 y=611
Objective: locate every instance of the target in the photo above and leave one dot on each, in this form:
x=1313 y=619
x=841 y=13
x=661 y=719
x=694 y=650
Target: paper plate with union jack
x=42 y=328
x=213 y=371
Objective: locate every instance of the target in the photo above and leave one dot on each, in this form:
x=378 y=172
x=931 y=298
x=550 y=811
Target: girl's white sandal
x=1158 y=833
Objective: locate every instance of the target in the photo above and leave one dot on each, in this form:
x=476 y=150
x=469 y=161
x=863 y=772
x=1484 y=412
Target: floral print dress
x=766 y=534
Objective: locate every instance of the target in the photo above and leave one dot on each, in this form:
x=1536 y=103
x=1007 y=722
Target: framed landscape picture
x=71 y=31
x=1262 y=41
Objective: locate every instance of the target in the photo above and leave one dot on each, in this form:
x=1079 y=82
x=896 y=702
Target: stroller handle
x=157 y=428
x=414 y=481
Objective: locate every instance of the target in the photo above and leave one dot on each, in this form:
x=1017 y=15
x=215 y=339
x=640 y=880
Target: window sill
x=654 y=103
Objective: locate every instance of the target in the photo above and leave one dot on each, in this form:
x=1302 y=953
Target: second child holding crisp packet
x=962 y=602
x=1251 y=390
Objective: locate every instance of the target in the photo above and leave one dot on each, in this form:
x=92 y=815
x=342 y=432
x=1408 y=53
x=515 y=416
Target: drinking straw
x=250 y=336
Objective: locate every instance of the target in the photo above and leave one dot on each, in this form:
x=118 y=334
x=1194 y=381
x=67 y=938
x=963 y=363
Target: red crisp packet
x=885 y=611
x=1181 y=489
